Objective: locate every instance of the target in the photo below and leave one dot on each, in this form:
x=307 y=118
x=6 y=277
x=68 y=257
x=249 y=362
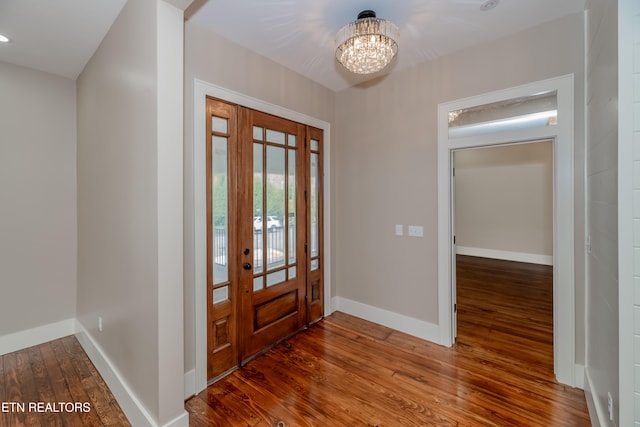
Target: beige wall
x=602 y=168
x=385 y=163
x=37 y=198
x=215 y=60
x=504 y=199
x=130 y=197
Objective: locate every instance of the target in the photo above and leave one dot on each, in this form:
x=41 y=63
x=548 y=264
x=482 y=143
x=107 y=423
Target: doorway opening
x=519 y=126
x=503 y=210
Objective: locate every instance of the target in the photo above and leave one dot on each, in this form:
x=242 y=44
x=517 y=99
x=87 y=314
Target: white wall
x=386 y=153
x=629 y=210
x=130 y=203
x=504 y=202
x=601 y=367
x=37 y=199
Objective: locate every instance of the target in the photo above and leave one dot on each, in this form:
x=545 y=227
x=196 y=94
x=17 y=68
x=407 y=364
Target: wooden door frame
x=566 y=369
x=200 y=92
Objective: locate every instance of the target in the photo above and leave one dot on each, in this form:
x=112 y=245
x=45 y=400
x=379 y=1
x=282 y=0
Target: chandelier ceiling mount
x=368 y=44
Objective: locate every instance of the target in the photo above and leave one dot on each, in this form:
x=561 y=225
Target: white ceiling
x=59 y=36
x=56 y=36
x=300 y=34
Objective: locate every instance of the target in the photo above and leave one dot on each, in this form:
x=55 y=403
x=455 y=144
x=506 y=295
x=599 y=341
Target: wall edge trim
x=596 y=411
x=189 y=384
x=126 y=398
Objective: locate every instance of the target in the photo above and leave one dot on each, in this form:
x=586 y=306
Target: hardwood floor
x=350 y=372
x=347 y=371
x=55 y=384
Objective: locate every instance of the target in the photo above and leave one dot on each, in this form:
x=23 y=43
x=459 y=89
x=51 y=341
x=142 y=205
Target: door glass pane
x=291 y=204
x=272 y=227
x=219 y=198
x=257 y=133
x=219 y=124
x=315 y=264
x=537 y=110
x=292 y=273
x=315 y=145
x=315 y=196
x=258 y=220
x=275 y=136
x=292 y=140
x=277 y=277
x=220 y=294
x=258 y=283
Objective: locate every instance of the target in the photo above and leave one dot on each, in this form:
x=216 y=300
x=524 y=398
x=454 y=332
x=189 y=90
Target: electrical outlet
x=416 y=231
x=100 y=323
x=399 y=230
x=610 y=406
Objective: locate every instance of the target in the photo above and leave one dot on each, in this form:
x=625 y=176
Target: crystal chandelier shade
x=368 y=44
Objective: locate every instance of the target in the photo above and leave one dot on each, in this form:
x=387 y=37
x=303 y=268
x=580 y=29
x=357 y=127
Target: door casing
x=196 y=381
x=566 y=369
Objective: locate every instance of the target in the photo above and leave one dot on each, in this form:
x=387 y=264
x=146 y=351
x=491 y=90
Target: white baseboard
x=417 y=328
x=127 y=399
x=597 y=413
x=181 y=420
x=35 y=336
x=579 y=376
x=505 y=255
x=189 y=384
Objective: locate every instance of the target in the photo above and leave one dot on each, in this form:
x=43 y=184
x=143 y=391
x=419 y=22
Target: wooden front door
x=272 y=237
x=265 y=232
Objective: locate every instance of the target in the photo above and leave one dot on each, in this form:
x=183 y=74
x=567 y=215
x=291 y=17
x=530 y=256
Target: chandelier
x=368 y=44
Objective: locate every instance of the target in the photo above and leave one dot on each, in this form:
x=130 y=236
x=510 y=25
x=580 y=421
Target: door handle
x=247 y=266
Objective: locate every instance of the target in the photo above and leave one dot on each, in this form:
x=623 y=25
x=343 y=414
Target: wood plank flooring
x=55 y=384
x=344 y=371
x=350 y=372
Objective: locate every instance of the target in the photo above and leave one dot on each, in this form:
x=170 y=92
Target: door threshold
x=222 y=375
x=261 y=352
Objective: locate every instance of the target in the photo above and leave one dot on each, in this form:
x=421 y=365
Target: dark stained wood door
x=273 y=231
x=265 y=226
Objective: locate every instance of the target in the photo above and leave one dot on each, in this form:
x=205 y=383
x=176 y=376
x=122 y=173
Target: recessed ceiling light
x=488 y=5
x=4 y=39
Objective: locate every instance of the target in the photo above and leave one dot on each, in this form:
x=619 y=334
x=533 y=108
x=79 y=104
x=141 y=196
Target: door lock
x=247 y=266
x=246 y=251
